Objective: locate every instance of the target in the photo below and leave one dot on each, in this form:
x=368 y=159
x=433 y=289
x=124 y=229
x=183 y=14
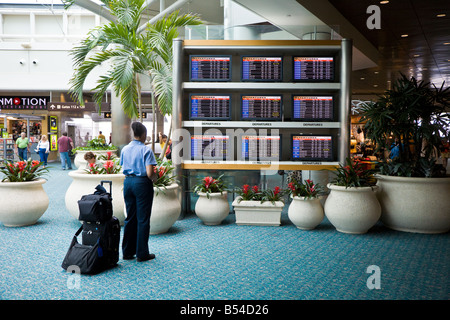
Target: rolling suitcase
x=100 y=235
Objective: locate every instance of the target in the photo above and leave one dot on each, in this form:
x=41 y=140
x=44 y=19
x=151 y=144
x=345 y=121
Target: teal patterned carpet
x=227 y=262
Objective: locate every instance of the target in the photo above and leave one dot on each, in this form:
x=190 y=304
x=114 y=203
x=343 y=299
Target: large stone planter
x=257 y=213
x=420 y=205
x=79 y=161
x=22 y=203
x=166 y=209
x=85 y=183
x=214 y=210
x=305 y=214
x=352 y=210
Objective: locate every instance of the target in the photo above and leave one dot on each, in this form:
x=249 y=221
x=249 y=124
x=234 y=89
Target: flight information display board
x=313 y=68
x=209 y=107
x=262 y=68
x=312 y=148
x=312 y=108
x=256 y=147
x=209 y=147
x=210 y=68
x=255 y=107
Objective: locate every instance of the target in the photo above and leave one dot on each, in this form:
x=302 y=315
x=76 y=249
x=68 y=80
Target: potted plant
x=212 y=205
x=166 y=208
x=97 y=147
x=85 y=181
x=23 y=199
x=352 y=205
x=413 y=185
x=258 y=207
x=305 y=210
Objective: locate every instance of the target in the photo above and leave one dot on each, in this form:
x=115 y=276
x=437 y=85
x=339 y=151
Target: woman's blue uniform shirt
x=134 y=157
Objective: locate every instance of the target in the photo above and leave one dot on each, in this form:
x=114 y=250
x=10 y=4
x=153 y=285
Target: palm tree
x=129 y=54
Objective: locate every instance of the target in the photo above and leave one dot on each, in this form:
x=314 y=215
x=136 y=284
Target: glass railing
x=262 y=32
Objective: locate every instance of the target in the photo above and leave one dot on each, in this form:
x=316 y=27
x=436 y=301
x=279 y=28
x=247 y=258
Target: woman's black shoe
x=128 y=257
x=150 y=256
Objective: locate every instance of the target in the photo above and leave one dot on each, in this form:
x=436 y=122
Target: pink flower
x=208 y=181
x=108 y=164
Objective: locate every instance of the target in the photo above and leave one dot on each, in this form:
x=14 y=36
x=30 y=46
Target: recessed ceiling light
x=446 y=43
x=384 y=2
x=416 y=55
x=375 y=85
x=441 y=15
x=404 y=35
x=362 y=78
x=376 y=72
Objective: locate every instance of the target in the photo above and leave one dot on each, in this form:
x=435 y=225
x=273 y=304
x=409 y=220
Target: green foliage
x=416 y=113
x=255 y=194
x=309 y=189
x=163 y=174
x=22 y=171
x=210 y=185
x=353 y=175
x=95 y=144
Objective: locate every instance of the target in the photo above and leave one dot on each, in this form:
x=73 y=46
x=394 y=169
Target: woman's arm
x=149 y=170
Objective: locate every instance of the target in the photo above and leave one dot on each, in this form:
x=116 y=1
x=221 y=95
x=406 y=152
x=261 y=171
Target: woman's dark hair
x=138 y=129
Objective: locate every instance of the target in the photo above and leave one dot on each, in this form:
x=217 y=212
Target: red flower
x=291 y=186
x=208 y=181
x=108 y=164
x=276 y=190
x=245 y=188
x=255 y=189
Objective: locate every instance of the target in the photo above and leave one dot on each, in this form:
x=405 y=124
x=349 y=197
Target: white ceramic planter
x=85 y=183
x=214 y=210
x=166 y=209
x=420 y=205
x=79 y=161
x=22 y=203
x=304 y=213
x=352 y=210
x=257 y=213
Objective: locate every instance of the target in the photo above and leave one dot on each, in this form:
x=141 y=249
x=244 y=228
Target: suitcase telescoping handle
x=110 y=185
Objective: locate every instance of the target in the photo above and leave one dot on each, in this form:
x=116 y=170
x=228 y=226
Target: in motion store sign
x=24 y=103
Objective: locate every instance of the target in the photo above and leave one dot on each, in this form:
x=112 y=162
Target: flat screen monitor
x=312 y=148
x=209 y=107
x=264 y=107
x=210 y=68
x=256 y=147
x=256 y=68
x=312 y=108
x=313 y=68
x=209 y=147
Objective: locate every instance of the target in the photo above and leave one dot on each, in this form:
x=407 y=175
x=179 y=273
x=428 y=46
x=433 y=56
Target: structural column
x=120 y=123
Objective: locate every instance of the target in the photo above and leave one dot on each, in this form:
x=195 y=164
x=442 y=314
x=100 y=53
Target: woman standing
x=43 y=148
x=137 y=162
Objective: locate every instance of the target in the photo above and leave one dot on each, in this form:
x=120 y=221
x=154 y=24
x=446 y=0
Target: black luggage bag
x=99 y=249
x=96 y=207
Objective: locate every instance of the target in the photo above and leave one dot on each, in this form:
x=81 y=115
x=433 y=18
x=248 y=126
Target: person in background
x=102 y=137
x=43 y=149
x=65 y=143
x=137 y=162
x=23 y=145
x=90 y=158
